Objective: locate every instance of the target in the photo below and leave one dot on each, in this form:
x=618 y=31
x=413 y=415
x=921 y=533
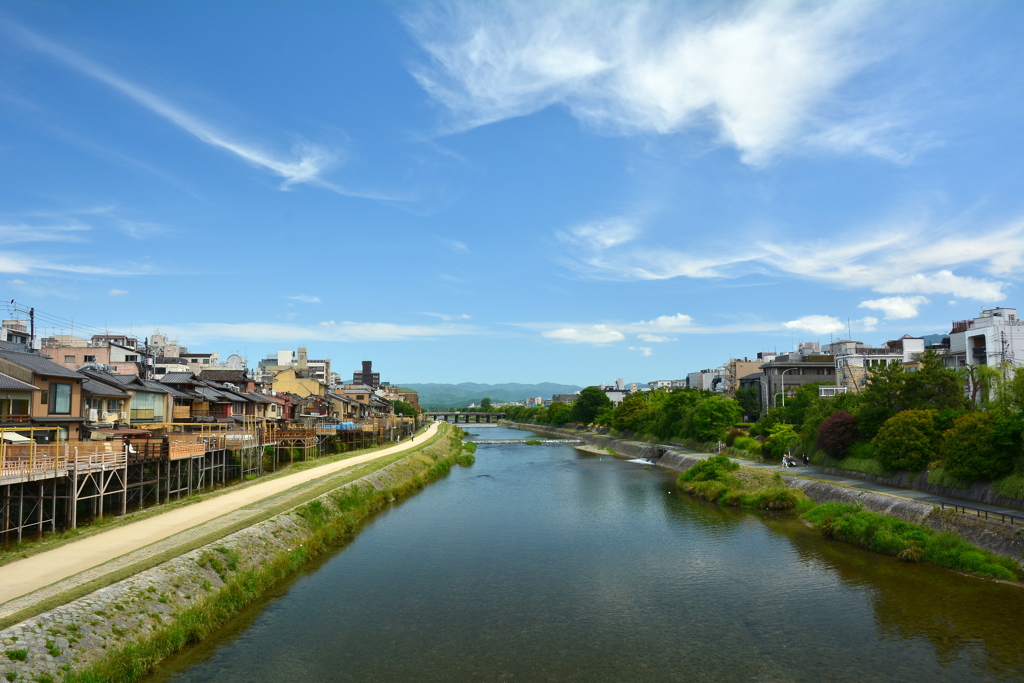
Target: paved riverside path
x=26 y=581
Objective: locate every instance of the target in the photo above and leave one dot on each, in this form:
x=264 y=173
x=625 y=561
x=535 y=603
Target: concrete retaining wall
x=979 y=491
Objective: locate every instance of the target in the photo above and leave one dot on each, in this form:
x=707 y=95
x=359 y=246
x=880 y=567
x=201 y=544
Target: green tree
x=590 y=402
x=981 y=445
x=485 y=405
x=908 y=440
x=631 y=414
x=711 y=416
x=749 y=398
x=559 y=413
x=781 y=438
x=882 y=397
x=403 y=408
x=932 y=386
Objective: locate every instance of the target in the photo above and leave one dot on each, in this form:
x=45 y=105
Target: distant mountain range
x=461 y=395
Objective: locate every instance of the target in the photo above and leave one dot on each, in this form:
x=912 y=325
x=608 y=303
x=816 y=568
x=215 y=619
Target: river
x=544 y=563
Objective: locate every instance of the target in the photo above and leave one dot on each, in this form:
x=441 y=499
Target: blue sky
x=495 y=192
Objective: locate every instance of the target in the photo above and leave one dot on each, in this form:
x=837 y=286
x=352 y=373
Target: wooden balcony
x=28 y=462
x=181 y=412
x=166 y=448
x=15 y=418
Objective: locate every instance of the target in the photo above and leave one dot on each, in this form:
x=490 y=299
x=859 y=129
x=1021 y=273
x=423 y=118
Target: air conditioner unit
x=124 y=416
x=94 y=415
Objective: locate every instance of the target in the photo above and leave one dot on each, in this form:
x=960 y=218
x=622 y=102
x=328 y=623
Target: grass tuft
x=718 y=479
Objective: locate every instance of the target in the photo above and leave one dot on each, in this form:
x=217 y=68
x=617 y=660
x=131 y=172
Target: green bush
x=1011 y=486
x=907 y=441
x=748 y=444
x=973 y=448
x=911 y=542
x=716 y=467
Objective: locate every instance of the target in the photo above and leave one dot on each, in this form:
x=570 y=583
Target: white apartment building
x=996 y=336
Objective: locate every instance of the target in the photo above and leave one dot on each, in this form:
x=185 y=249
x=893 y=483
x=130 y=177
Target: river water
x=544 y=563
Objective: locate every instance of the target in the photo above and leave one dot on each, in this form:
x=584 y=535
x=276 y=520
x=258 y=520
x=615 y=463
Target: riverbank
x=1001 y=538
x=117 y=633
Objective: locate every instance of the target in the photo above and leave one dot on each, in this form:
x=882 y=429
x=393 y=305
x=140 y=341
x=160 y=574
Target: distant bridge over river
x=457 y=416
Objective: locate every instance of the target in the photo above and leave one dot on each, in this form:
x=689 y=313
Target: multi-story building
x=994 y=337
x=366 y=377
x=118 y=353
x=285 y=358
x=854 y=360
x=785 y=374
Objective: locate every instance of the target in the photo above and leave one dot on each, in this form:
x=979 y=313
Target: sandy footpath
x=37 y=571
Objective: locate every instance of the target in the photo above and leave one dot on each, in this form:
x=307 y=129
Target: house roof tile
x=38 y=364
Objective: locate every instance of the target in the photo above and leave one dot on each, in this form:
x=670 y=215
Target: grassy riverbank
x=908 y=541
x=327 y=522
x=720 y=480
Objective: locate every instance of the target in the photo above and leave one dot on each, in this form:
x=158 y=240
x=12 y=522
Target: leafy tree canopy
x=908 y=440
x=590 y=402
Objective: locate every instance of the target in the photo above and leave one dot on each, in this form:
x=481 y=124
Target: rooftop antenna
x=849 y=329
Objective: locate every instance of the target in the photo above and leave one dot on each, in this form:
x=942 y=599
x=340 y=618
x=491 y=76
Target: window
x=206 y=361
x=60 y=399
x=131 y=358
x=69 y=359
x=160 y=371
x=44 y=397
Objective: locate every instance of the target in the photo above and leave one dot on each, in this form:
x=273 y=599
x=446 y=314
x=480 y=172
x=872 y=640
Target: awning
x=12 y=437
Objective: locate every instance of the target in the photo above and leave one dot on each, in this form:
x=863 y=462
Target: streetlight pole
x=783 y=375
x=766 y=390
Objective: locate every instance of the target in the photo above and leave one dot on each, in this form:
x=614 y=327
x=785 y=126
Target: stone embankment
x=116 y=621
x=978 y=492
x=999 y=537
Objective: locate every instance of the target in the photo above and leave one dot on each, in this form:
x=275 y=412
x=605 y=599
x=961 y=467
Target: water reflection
x=545 y=563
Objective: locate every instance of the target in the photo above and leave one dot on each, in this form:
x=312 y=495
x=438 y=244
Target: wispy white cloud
x=644 y=350
x=945 y=282
x=14 y=262
x=306 y=163
x=867 y=324
x=896 y=307
x=585 y=334
x=656 y=329
x=663 y=323
x=118 y=292
x=140 y=229
x=601 y=235
x=305 y=298
x=816 y=324
x=454 y=245
x=904 y=257
x=11 y=233
x=757 y=75
x=327 y=331
x=448 y=318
